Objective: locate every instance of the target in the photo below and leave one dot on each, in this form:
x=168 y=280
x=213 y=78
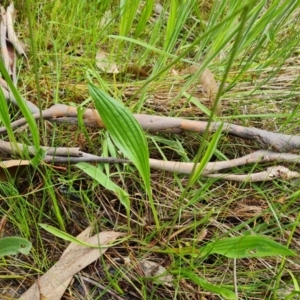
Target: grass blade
x=5 y=118
x=224 y=292
x=104 y=180
x=128 y=9
x=67 y=237
x=23 y=107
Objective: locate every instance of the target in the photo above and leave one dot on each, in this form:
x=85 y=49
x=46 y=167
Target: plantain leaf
x=124 y=129
x=246 y=246
x=13 y=246
x=127 y=135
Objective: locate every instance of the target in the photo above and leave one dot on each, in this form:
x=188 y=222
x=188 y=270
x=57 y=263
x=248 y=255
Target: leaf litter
x=55 y=281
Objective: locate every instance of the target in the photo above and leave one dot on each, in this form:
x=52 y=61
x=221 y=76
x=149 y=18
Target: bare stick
x=268 y=140
x=278 y=172
x=11 y=149
x=255 y=157
x=74 y=160
x=73 y=155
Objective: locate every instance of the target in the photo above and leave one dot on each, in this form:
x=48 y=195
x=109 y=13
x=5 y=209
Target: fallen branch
x=278 y=172
x=212 y=167
x=62 y=155
x=61 y=113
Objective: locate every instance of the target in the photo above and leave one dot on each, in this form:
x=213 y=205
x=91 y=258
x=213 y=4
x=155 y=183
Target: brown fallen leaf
x=76 y=257
x=209 y=83
x=42 y=297
x=57 y=293
x=12 y=37
x=136 y=71
x=153 y=269
x=12 y=168
x=105 y=64
x=2 y=224
x=3 y=29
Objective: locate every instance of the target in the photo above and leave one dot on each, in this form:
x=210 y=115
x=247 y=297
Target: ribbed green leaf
x=125 y=131
x=128 y=10
x=127 y=134
x=246 y=246
x=13 y=246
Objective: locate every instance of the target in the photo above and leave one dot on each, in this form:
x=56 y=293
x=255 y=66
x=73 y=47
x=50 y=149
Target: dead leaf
x=12 y=69
x=202 y=235
x=2 y=224
x=209 y=83
x=3 y=29
x=76 y=257
x=104 y=63
x=153 y=269
x=281 y=200
x=174 y=72
x=157 y=8
x=106 y=19
x=138 y=72
x=42 y=297
x=12 y=37
x=59 y=291
x=12 y=168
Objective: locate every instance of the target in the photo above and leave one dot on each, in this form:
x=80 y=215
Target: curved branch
x=61 y=113
x=272 y=173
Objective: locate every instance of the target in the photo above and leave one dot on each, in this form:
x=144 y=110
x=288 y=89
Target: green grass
x=252 y=48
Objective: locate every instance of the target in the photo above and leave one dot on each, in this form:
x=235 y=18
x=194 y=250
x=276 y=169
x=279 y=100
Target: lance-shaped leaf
x=13 y=246
x=124 y=129
x=220 y=290
x=127 y=134
x=246 y=246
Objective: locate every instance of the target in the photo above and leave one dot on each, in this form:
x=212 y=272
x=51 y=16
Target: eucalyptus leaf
x=14 y=245
x=246 y=246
